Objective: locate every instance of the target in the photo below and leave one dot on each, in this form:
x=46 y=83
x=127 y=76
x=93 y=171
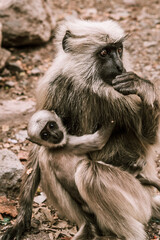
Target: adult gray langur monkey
x=88 y=85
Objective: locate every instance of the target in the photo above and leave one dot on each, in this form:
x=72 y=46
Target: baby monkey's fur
x=112 y=195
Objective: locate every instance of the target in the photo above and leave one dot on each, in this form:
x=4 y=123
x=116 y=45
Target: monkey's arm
x=90 y=142
x=30 y=182
x=130 y=83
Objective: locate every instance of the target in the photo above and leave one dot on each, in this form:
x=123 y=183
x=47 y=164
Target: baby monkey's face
x=51 y=133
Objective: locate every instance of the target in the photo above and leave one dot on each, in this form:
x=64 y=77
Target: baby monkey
x=69 y=170
x=46 y=129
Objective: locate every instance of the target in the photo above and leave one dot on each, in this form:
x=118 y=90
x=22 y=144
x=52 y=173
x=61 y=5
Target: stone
x=130 y=2
x=10 y=172
x=40 y=198
x=21 y=135
x=9 y=84
x=14 y=67
x=148 y=44
x=4 y=57
x=15 y=110
x=35 y=71
x=25 y=22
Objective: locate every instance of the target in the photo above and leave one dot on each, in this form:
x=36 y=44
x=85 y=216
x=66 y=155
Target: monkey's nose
x=57 y=137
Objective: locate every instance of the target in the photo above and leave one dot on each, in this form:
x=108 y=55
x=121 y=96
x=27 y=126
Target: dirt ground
x=141 y=20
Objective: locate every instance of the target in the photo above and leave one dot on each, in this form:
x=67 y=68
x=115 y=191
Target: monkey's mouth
x=110 y=79
x=57 y=137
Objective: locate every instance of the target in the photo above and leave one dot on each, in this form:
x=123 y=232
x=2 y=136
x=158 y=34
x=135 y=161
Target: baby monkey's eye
x=52 y=125
x=103 y=53
x=45 y=135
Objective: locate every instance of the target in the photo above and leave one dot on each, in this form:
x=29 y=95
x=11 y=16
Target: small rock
x=120 y=15
x=89 y=12
x=6 y=73
x=9 y=84
x=10 y=140
x=4 y=57
x=130 y=2
x=15 y=109
x=148 y=68
x=21 y=135
x=14 y=67
x=35 y=71
x=37 y=58
x=10 y=171
x=149 y=44
x=40 y=198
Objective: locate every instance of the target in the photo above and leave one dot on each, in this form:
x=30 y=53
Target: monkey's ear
x=65 y=46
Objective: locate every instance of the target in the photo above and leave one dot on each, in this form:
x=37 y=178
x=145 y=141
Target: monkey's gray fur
x=88 y=85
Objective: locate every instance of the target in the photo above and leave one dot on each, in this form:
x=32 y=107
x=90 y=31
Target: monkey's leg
x=30 y=182
x=155 y=199
x=62 y=199
x=108 y=194
x=149 y=182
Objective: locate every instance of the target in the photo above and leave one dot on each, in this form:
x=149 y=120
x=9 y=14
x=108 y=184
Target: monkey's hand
x=16 y=231
x=130 y=83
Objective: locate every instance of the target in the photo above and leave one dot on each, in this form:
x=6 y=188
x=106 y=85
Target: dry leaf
x=73 y=230
x=47 y=213
x=23 y=155
x=5 y=128
x=66 y=233
x=6 y=145
x=66 y=238
x=29 y=171
x=62 y=224
x=51 y=236
x=57 y=233
x=7 y=207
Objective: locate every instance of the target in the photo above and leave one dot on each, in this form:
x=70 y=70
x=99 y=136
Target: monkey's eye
x=45 y=135
x=103 y=53
x=120 y=50
x=52 y=125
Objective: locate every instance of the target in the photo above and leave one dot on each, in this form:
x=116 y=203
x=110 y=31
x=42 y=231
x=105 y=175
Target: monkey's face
x=97 y=55
x=51 y=133
x=109 y=61
x=45 y=128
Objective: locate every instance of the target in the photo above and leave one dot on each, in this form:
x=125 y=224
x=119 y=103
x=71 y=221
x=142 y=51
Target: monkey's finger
x=126 y=84
x=121 y=79
x=127 y=74
x=126 y=91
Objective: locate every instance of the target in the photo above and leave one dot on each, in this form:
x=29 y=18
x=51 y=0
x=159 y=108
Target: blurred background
x=27 y=30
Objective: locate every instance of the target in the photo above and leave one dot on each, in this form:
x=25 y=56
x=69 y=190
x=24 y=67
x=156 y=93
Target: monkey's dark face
x=110 y=62
x=51 y=133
